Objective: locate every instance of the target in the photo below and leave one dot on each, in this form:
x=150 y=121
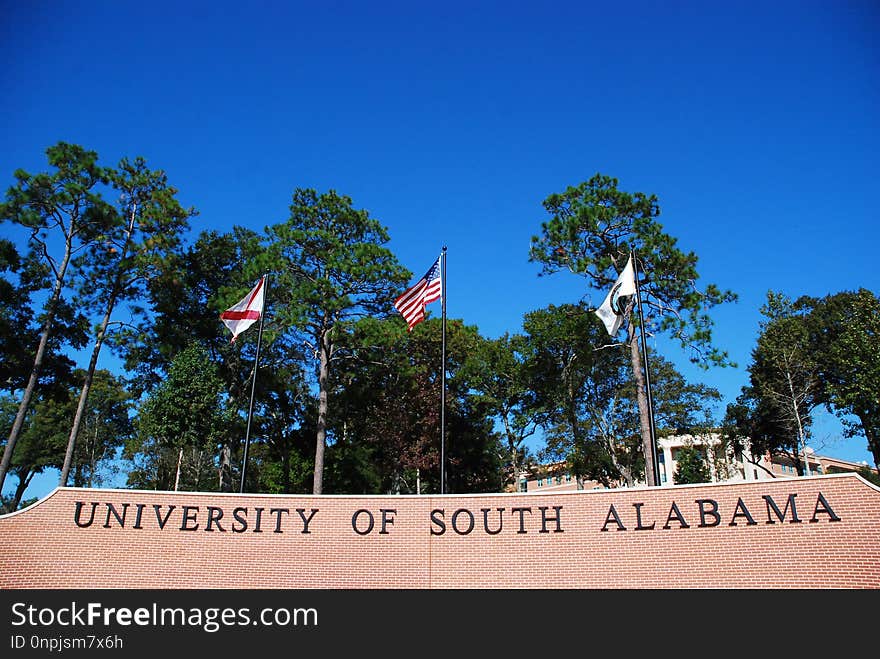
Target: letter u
x=486 y=521
x=76 y=514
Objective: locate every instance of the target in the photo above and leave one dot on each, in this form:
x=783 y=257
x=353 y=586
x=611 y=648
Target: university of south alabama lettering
x=516 y=520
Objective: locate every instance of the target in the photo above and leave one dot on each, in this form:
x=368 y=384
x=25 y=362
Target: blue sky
x=756 y=124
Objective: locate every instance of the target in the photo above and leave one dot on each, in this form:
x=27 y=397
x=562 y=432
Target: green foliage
x=20 y=278
x=585 y=398
x=283 y=432
x=798 y=356
x=386 y=424
x=43 y=441
x=498 y=371
x=870 y=475
x=747 y=424
x=680 y=407
x=845 y=338
x=9 y=504
x=105 y=430
x=387 y=397
x=330 y=263
x=576 y=390
x=183 y=416
x=331 y=267
x=137 y=240
x=811 y=352
x=186 y=300
x=690 y=466
x=209 y=277
x=62 y=212
x=591 y=230
x=40 y=445
x=353 y=468
x=776 y=410
x=65 y=200
x=282 y=467
x=16 y=317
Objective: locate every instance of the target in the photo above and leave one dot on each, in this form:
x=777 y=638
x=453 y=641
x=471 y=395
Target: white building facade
x=723 y=467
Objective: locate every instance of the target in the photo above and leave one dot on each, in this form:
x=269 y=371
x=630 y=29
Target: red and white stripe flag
x=244 y=314
x=429 y=288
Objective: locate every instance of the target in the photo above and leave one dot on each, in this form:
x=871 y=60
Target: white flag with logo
x=613 y=308
x=246 y=312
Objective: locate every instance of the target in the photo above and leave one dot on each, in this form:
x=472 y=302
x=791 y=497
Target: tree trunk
x=511 y=443
x=198 y=456
x=84 y=394
x=323 y=376
x=38 y=358
x=873 y=440
x=225 y=470
x=102 y=332
x=94 y=457
x=624 y=471
x=576 y=443
x=573 y=421
x=801 y=435
x=642 y=398
x=20 y=490
x=285 y=474
x=609 y=441
x=177 y=475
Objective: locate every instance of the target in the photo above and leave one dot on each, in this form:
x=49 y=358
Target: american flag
x=411 y=304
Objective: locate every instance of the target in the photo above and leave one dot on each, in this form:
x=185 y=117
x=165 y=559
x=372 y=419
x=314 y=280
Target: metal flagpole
x=443 y=377
x=247 y=435
x=654 y=457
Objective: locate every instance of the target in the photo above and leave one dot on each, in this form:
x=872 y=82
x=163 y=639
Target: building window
x=559 y=480
x=540 y=482
x=523 y=485
x=568 y=478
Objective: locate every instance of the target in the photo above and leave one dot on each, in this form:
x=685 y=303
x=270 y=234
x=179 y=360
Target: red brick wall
x=835 y=543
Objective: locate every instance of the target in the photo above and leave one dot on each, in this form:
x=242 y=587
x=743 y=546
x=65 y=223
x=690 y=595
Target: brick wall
x=819 y=532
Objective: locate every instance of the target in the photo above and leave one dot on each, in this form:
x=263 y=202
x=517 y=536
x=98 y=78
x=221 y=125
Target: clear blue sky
x=755 y=123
